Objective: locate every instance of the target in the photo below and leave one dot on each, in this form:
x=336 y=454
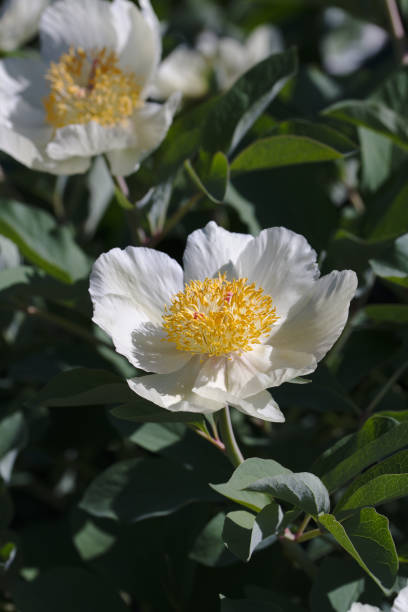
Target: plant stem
x=227 y=435
x=173 y=220
x=397 y=31
x=377 y=399
x=309 y=535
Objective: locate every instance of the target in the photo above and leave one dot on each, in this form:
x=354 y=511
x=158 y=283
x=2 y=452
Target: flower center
x=90 y=86
x=218 y=317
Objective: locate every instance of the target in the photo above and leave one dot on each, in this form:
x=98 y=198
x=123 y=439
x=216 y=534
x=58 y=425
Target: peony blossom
x=188 y=70
x=19 y=21
x=400 y=604
x=246 y=314
x=86 y=94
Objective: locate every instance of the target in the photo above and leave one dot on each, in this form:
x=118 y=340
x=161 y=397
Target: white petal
x=145 y=278
x=138 y=39
x=77 y=23
x=140 y=343
x=401 y=602
x=317 y=320
x=263 y=41
x=282 y=263
x=151 y=351
x=230 y=379
x=88 y=139
x=25 y=77
x=358 y=607
x=183 y=70
x=261 y=406
x=26 y=152
x=148 y=128
x=19 y=21
x=174 y=391
x=210 y=249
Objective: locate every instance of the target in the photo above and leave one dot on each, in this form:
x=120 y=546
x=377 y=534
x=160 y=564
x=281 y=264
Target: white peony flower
x=187 y=70
x=247 y=314
x=400 y=604
x=19 y=21
x=234 y=58
x=184 y=70
x=86 y=95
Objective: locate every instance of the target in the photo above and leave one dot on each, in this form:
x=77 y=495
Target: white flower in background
x=245 y=315
x=234 y=58
x=184 y=70
x=19 y=21
x=400 y=604
x=86 y=95
x=349 y=42
x=187 y=70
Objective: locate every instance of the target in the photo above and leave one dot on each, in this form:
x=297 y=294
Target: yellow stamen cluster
x=218 y=317
x=90 y=86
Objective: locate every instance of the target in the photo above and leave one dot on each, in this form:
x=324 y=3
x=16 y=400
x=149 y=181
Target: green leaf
x=244 y=209
x=266 y=525
x=296 y=142
x=248 y=605
x=373 y=115
x=366 y=537
x=84 y=387
x=380 y=436
x=42 y=241
x=248 y=472
x=387 y=313
x=393 y=263
x=304 y=490
x=237 y=533
x=237 y=110
x=208 y=549
x=213 y=181
x=135 y=489
x=384 y=482
x=67 y=589
x=91 y=541
x=337 y=586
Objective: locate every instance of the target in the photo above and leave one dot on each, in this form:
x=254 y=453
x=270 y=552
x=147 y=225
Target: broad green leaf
x=266 y=525
x=392 y=264
x=248 y=472
x=237 y=533
x=155 y=437
x=135 y=489
x=278 y=151
x=373 y=115
x=380 y=436
x=293 y=142
x=42 y=241
x=213 y=181
x=366 y=537
x=92 y=541
x=66 y=589
x=338 y=585
x=237 y=110
x=84 y=387
x=244 y=209
x=387 y=313
x=384 y=482
x=348 y=251
x=304 y=490
x=208 y=549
